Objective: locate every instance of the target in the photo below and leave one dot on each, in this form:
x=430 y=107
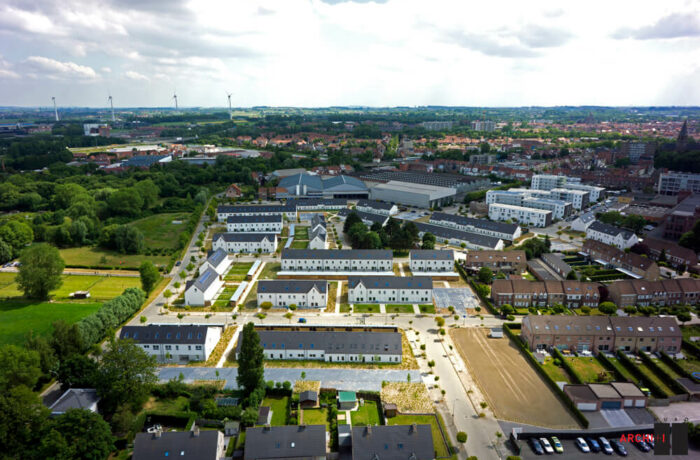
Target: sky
x=319 y=53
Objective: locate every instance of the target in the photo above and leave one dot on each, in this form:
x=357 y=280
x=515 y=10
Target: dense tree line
x=393 y=235
x=633 y=222
x=111 y=314
x=535 y=247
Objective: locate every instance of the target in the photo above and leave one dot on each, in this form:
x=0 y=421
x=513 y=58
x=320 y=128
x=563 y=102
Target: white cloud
x=106 y=70
x=130 y=74
x=56 y=69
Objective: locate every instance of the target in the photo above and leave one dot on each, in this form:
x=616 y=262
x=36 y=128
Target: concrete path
x=446 y=284
x=230 y=345
x=401 y=269
x=416 y=309
x=382 y=308
x=339 y=295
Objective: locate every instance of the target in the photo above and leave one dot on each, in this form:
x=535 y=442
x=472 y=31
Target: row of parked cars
x=590 y=444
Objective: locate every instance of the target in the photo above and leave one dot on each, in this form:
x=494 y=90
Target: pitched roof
x=75 y=398
x=354 y=254
x=586 y=217
x=496 y=256
x=303 y=179
x=243 y=209
x=308 y=395
x=392 y=442
x=611 y=230
x=568 y=325
x=216 y=257
x=671 y=249
x=343 y=182
x=477 y=223
x=432 y=254
x=166 y=333
x=177 y=444
x=451 y=233
x=206 y=279
x=285 y=442
x=261 y=218
x=391 y=282
x=603 y=391
x=368 y=216
x=626 y=389
x=239 y=237
x=643 y=326
x=291 y=286
x=374 y=204
x=357 y=342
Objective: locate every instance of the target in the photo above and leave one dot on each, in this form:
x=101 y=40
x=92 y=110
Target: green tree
x=40 y=271
x=22 y=418
x=18 y=366
x=126 y=375
x=65 y=340
x=428 y=241
x=17 y=235
x=47 y=358
x=249 y=416
x=149 y=276
x=78 y=371
x=352 y=219
x=5 y=252
x=607 y=308
x=87 y=436
x=250 y=361
x=485 y=275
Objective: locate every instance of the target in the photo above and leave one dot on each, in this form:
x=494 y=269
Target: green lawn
x=240 y=268
x=88 y=256
x=366 y=415
x=344 y=308
x=441 y=450
x=690 y=331
x=269 y=271
x=296 y=244
x=656 y=379
x=17 y=317
x=427 y=308
x=399 y=308
x=366 y=308
x=101 y=287
x=301 y=233
x=589 y=369
x=159 y=231
x=557 y=373
x=625 y=373
x=316 y=417
x=666 y=368
x=690 y=364
x=279 y=406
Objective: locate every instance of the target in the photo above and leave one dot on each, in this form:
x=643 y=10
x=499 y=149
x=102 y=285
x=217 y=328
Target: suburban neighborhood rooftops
x=206 y=279
x=568 y=325
x=216 y=257
x=487 y=256
x=285 y=442
x=345 y=254
x=243 y=209
x=642 y=326
x=342 y=342
x=451 y=233
x=432 y=254
x=613 y=254
x=391 y=282
x=177 y=444
x=603 y=391
x=374 y=204
x=586 y=217
x=165 y=333
x=291 y=286
x=75 y=398
x=627 y=390
x=393 y=442
x=257 y=218
x=500 y=227
x=240 y=237
x=611 y=230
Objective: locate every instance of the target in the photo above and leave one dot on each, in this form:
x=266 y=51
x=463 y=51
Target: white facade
x=314 y=297
x=527 y=216
x=420 y=263
x=322 y=355
x=581 y=223
x=223 y=212
x=560 y=209
x=596 y=193
x=621 y=240
x=377 y=210
x=478 y=226
x=255 y=227
x=399 y=292
x=671 y=183
x=319 y=241
x=530 y=199
x=267 y=243
x=219 y=264
x=181 y=349
x=337 y=260
x=547 y=181
x=578 y=198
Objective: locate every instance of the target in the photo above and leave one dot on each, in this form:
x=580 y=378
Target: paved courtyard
x=340 y=379
x=460 y=298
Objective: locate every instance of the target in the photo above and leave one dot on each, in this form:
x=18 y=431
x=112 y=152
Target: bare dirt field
x=512 y=387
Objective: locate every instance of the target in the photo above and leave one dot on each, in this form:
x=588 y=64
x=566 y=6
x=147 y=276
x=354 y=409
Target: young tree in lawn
x=40 y=271
x=149 y=276
x=250 y=361
x=607 y=308
x=126 y=375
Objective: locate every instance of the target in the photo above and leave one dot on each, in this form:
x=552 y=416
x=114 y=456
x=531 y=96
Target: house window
x=168 y=347
x=156 y=347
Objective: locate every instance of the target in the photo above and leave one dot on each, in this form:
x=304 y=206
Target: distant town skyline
x=320 y=53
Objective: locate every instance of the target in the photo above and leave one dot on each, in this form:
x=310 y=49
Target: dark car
x=643 y=446
x=536 y=446
x=177 y=264
x=593 y=444
x=619 y=448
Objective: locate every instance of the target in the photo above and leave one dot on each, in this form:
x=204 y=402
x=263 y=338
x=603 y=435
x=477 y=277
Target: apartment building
x=327 y=260
x=602 y=333
x=245 y=242
x=223 y=212
x=498 y=261
x=672 y=183
x=525 y=294
x=525 y=216
x=336 y=346
x=203 y=290
x=377 y=207
x=629 y=263
x=428 y=260
x=318 y=204
x=390 y=289
x=257 y=223
x=500 y=230
x=174 y=343
x=560 y=208
x=552 y=182
x=302 y=293
x=547 y=181
x=609 y=234
x=579 y=199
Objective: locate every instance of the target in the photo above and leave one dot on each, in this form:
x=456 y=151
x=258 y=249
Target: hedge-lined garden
x=114 y=312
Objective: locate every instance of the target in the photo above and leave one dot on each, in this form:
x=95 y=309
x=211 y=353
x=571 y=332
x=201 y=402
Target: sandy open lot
x=513 y=388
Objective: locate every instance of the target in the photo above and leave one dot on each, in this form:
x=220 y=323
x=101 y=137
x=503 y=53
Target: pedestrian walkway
x=446 y=284
x=401 y=269
x=416 y=309
x=382 y=308
x=338 y=296
x=230 y=345
x=244 y=294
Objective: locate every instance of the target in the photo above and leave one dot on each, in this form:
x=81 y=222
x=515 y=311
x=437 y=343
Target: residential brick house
x=633 y=264
x=498 y=261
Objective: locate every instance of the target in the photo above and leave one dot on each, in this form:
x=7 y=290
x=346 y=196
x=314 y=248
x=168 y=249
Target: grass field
x=625 y=373
x=589 y=369
x=159 y=231
x=427 y=308
x=279 y=406
x=558 y=374
x=98 y=257
x=399 y=308
x=269 y=271
x=316 y=417
x=441 y=449
x=301 y=233
x=238 y=271
x=666 y=368
x=655 y=378
x=296 y=244
x=366 y=308
x=17 y=317
x=365 y=415
x=101 y=287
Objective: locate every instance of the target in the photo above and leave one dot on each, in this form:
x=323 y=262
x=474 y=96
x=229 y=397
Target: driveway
x=460 y=298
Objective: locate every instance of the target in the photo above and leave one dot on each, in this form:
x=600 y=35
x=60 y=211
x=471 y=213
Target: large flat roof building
x=411 y=194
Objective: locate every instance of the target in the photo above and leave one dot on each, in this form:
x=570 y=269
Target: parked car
x=619 y=448
x=154 y=429
x=546 y=445
x=581 y=444
x=642 y=445
x=557 y=445
x=605 y=446
x=302 y=320
x=178 y=263
x=593 y=444
x=536 y=446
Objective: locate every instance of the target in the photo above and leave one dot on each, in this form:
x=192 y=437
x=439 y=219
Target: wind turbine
x=55 y=110
x=111 y=105
x=230 y=112
x=175 y=97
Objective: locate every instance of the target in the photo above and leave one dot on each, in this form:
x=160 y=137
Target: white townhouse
x=609 y=234
x=429 y=260
x=174 y=343
x=582 y=222
x=526 y=216
x=332 y=260
x=302 y=293
x=500 y=230
x=377 y=207
x=203 y=290
x=460 y=238
x=245 y=242
x=217 y=261
x=318 y=204
x=258 y=223
x=336 y=346
x=223 y=212
x=317 y=221
x=318 y=236
x=390 y=289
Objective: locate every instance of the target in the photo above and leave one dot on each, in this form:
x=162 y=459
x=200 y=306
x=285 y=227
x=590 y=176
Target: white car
x=605 y=446
x=546 y=446
x=583 y=445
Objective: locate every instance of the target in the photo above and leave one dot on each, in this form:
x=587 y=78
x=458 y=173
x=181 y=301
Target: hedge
x=619 y=376
x=565 y=364
x=670 y=381
x=670 y=362
x=111 y=315
x=692 y=348
x=656 y=391
x=487 y=302
x=552 y=384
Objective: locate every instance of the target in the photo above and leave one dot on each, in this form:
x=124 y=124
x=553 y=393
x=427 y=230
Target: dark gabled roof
x=357 y=342
x=177 y=445
x=368 y=216
x=75 y=398
x=262 y=218
x=374 y=204
x=143 y=160
x=354 y=254
x=308 y=395
x=644 y=326
x=500 y=227
x=391 y=282
x=216 y=257
x=254 y=209
x=587 y=217
x=206 y=279
x=239 y=237
x=318 y=219
x=285 y=442
x=291 y=286
x=432 y=254
x=451 y=233
x=343 y=181
x=309 y=180
x=611 y=230
x=392 y=442
x=318 y=232
x=166 y=334
x=263 y=414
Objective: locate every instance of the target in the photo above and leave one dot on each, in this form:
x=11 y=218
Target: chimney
x=195 y=431
x=414 y=428
x=157 y=434
x=369 y=430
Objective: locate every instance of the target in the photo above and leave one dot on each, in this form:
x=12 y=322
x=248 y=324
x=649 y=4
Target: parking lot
x=460 y=298
x=572 y=452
